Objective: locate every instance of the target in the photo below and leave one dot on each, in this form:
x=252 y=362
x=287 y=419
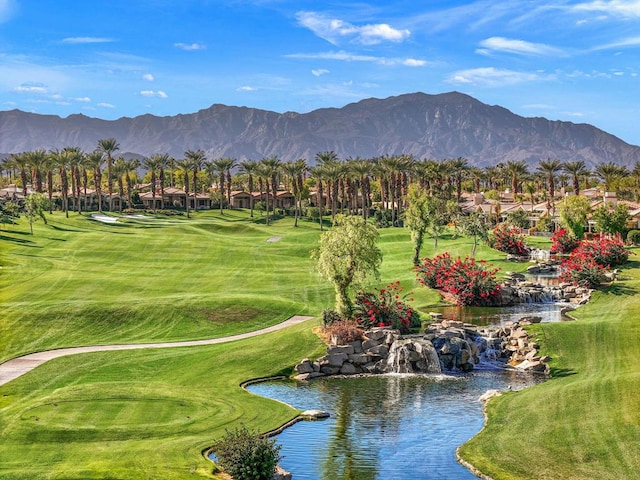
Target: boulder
x=348 y=349
x=305 y=366
x=347 y=369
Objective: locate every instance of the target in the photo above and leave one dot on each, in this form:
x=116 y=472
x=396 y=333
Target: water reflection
x=397 y=427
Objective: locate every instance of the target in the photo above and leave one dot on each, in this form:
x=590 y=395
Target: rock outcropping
x=445 y=346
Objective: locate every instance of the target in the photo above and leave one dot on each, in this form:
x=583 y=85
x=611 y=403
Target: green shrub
x=633 y=236
x=329 y=317
x=247 y=455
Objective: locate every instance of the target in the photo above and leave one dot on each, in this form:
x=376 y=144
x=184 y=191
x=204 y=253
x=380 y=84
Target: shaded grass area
x=584 y=423
x=144 y=414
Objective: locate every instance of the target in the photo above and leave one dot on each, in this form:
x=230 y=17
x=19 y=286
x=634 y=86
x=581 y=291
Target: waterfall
x=413 y=355
x=538 y=255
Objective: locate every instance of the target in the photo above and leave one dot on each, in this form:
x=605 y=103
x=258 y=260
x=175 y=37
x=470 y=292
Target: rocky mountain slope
x=441 y=126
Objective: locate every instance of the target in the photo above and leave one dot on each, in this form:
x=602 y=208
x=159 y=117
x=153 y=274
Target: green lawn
x=149 y=413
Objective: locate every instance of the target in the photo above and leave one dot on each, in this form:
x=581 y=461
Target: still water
x=393 y=427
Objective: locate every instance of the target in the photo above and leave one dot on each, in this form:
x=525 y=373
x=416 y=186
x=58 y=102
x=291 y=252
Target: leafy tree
x=573 y=214
x=475 y=225
x=518 y=218
x=9 y=211
x=611 y=220
x=424 y=214
x=348 y=254
x=34 y=207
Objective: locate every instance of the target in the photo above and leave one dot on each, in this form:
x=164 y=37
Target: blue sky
x=561 y=59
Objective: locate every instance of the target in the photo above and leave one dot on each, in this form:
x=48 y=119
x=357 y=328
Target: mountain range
x=442 y=126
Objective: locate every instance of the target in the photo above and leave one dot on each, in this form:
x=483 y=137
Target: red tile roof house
x=174 y=198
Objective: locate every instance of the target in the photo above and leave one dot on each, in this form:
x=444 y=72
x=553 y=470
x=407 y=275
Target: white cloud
x=333 y=30
x=105 y=105
x=623 y=8
x=31 y=87
x=84 y=40
x=7 y=8
x=190 y=46
x=246 y=88
x=350 y=57
x=319 y=71
x=412 y=62
x=573 y=114
x=494 y=77
x=626 y=42
x=148 y=77
x=82 y=99
x=520 y=47
x=539 y=106
x=154 y=93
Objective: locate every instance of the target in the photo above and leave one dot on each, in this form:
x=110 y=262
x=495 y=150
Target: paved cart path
x=17 y=367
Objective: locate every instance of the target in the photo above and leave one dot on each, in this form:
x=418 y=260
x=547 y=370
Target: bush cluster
x=563 y=242
x=509 y=239
x=588 y=263
x=385 y=308
x=468 y=282
x=633 y=237
x=247 y=455
x=342 y=332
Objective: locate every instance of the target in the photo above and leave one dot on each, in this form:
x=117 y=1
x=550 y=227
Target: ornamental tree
x=611 y=220
x=348 y=254
x=573 y=214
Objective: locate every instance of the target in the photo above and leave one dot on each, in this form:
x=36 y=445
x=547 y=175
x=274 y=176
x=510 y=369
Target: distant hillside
x=441 y=126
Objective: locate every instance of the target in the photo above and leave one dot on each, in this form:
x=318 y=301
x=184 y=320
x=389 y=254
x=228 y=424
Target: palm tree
x=363 y=170
x=319 y=174
x=37 y=159
x=197 y=159
x=610 y=172
x=132 y=166
x=61 y=162
x=576 y=169
x=74 y=159
x=636 y=175
x=268 y=170
x=249 y=167
x=516 y=170
x=49 y=167
x=120 y=169
x=94 y=161
x=152 y=165
x=459 y=168
x=21 y=162
x=293 y=172
x=185 y=169
x=108 y=146
x=550 y=168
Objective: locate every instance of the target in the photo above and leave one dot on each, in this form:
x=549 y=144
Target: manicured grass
x=584 y=423
x=143 y=414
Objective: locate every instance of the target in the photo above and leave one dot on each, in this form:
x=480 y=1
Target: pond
x=394 y=427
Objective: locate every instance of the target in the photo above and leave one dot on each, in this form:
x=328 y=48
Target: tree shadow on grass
x=22 y=241
x=562 y=372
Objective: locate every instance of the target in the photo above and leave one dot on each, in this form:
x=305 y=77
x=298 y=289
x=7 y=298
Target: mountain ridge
x=446 y=125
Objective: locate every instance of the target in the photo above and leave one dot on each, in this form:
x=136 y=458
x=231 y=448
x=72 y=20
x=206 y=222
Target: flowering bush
x=587 y=264
x=432 y=268
x=607 y=251
x=508 y=239
x=384 y=308
x=582 y=270
x=468 y=282
x=563 y=242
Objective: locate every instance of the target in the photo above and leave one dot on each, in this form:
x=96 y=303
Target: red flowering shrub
x=508 y=239
x=432 y=268
x=563 y=242
x=607 y=250
x=582 y=270
x=468 y=282
x=587 y=264
x=384 y=308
